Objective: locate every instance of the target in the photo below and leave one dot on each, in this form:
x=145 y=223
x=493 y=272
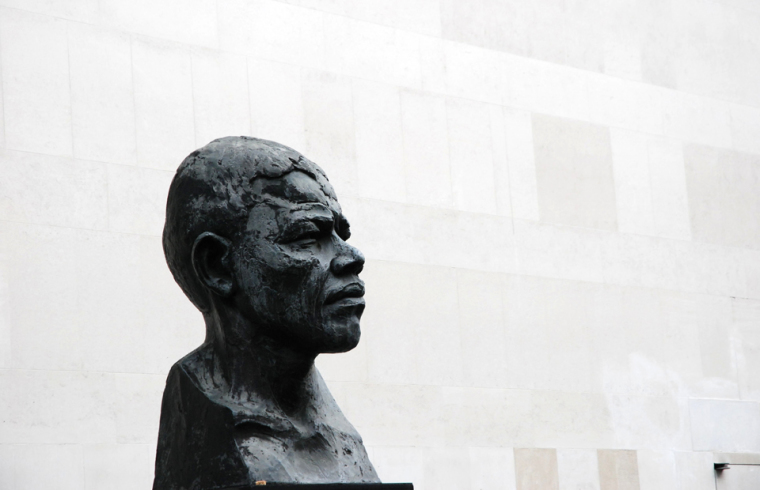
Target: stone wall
x=559 y=201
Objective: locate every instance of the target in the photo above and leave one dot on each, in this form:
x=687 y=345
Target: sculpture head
x=254 y=234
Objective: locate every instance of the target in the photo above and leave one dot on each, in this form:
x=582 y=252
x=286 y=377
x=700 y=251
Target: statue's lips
x=353 y=291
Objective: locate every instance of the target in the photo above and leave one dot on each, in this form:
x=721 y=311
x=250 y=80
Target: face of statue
x=298 y=278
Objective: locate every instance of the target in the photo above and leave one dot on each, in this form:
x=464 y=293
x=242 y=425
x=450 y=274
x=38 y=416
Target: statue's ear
x=211 y=261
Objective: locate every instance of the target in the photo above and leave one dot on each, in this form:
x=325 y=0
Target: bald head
x=212 y=191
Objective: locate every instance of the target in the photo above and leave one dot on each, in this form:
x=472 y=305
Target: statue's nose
x=348 y=261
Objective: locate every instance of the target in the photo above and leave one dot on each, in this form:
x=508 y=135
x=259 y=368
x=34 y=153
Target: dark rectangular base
x=327 y=486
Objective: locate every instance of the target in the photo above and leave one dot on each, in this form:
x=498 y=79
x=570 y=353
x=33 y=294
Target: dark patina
x=256 y=238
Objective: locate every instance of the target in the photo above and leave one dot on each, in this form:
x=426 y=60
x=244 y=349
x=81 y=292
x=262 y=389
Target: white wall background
x=559 y=201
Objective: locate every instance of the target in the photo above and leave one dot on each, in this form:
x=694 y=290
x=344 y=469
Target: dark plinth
x=327 y=486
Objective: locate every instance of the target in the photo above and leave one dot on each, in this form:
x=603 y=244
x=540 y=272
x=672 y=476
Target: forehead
x=295 y=190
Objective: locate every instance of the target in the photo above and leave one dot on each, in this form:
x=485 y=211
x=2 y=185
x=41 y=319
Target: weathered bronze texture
x=255 y=237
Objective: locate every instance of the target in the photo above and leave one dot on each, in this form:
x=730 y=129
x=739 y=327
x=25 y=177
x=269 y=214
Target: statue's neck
x=258 y=367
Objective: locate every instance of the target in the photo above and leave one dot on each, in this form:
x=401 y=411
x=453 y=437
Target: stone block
x=330 y=130
x=446 y=468
x=163 y=104
x=578 y=469
x=49 y=190
x=35 y=76
x=102 y=95
x=372 y=52
x=745 y=126
x=695 y=471
x=220 y=96
x=426 y=155
x=618 y=470
x=492 y=468
x=725 y=425
x=137 y=199
x=379 y=141
x=187 y=22
x=118 y=466
x=521 y=164
x=657 y=470
x=41 y=466
x=723 y=196
x=276 y=103
x=272 y=30
x=574 y=173
x=471 y=155
x=536 y=469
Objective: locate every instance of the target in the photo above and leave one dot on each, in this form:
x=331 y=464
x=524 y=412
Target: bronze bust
x=255 y=237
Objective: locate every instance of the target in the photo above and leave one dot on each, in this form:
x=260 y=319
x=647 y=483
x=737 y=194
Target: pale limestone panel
x=426 y=149
x=491 y=24
x=669 y=200
x=695 y=471
x=42 y=269
x=6 y=330
x=578 y=469
x=697 y=119
x=618 y=470
x=584 y=36
x=546 y=88
x=471 y=156
x=521 y=165
x=723 y=196
x=172 y=325
x=50 y=190
x=481 y=328
x=135 y=401
x=399 y=464
x=547 y=32
x=446 y=468
x=276 y=102
x=26 y=466
x=745 y=126
x=648 y=343
x=723 y=425
x=102 y=95
x=574 y=173
x=433 y=320
x=746 y=343
x=660 y=422
x=548 y=337
x=657 y=470
x=379 y=141
x=492 y=468
x=621 y=53
x=57 y=407
x=347 y=366
x=330 y=130
x=633 y=191
x=388 y=340
x=625 y=104
x=500 y=160
x=486 y=417
x=372 y=52
x=189 y=22
x=111 y=337
x=565 y=252
x=137 y=199
x=713 y=317
x=272 y=30
x=163 y=104
x=536 y=469
x=672 y=264
x=425 y=235
x=421 y=16
x=474 y=73
x=78 y=10
x=570 y=419
x=220 y=96
x=118 y=466
x=35 y=76
x=432 y=64
x=395 y=414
